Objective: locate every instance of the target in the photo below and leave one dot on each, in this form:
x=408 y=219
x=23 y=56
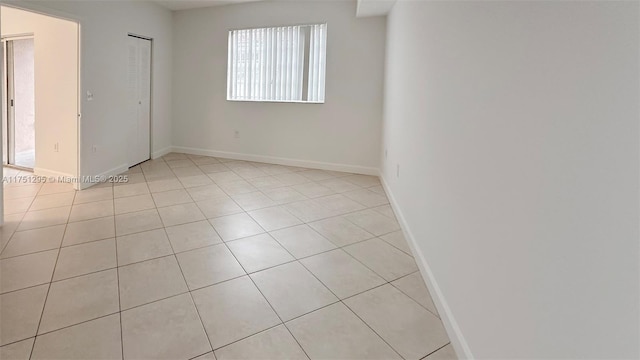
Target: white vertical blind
x=268 y=64
x=317 y=62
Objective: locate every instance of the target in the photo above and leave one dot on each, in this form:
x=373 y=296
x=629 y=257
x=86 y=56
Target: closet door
x=139 y=110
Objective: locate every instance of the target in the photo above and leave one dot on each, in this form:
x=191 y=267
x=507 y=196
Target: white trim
x=46 y=172
x=451 y=326
x=39 y=9
x=17 y=36
x=161 y=152
x=79 y=112
x=356 y=169
x=77 y=20
x=111 y=172
x=277 y=101
x=55 y=174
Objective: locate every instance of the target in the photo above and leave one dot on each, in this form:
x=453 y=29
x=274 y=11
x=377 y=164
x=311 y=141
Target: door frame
x=43 y=10
x=150 y=39
x=8 y=117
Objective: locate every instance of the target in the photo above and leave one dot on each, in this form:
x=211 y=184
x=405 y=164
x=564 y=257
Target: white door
x=139 y=119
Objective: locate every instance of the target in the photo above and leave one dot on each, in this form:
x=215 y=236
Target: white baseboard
x=50 y=173
x=161 y=152
x=356 y=169
x=55 y=174
x=111 y=172
x=451 y=326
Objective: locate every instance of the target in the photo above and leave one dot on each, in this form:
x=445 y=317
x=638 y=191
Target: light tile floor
x=209 y=258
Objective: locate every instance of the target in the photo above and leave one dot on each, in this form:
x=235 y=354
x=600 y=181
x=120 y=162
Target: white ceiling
x=374 y=7
x=364 y=7
x=194 y=4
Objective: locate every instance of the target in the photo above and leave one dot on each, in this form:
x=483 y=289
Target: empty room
x=320 y=179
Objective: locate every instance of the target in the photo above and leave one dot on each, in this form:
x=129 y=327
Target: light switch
x=89 y=96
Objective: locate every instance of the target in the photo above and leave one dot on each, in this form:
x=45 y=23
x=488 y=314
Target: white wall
x=104 y=28
x=515 y=125
x=56 y=87
x=343 y=133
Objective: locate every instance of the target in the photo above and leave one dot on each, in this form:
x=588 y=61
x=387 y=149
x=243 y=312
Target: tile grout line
x=28 y=287
x=206 y=219
x=182 y=293
x=375 y=332
x=243 y=338
x=340 y=214
x=70 y=326
x=435 y=351
x=197 y=248
x=347 y=306
x=312 y=274
x=193 y=302
x=277 y=203
x=411 y=297
x=53 y=272
x=252 y=281
x=257 y=288
x=115 y=240
x=194 y=249
x=20 y=222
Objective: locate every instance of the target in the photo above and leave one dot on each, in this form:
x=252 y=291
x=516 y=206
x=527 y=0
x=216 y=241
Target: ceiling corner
x=365 y=8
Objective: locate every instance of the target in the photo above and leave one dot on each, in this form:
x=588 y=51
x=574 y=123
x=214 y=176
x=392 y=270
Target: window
x=285 y=63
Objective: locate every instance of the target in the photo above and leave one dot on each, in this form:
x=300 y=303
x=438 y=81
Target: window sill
x=280 y=101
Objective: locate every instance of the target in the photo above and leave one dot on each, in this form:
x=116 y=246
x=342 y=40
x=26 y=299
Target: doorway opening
x=18 y=122
x=40 y=92
x=40 y=98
